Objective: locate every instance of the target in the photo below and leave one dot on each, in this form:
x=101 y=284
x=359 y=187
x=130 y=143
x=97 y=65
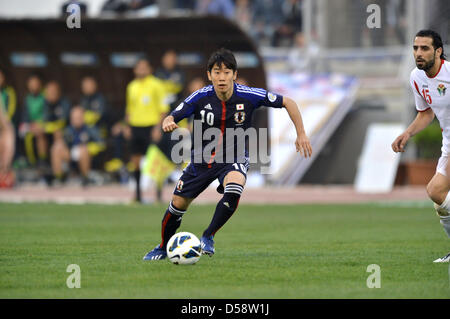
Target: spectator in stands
x=185 y=4
x=243 y=15
x=120 y=133
x=7 y=138
x=56 y=118
x=115 y=6
x=291 y=24
x=396 y=20
x=8 y=104
x=124 y=6
x=358 y=21
x=172 y=76
x=78 y=144
x=267 y=17
x=57 y=109
x=218 y=7
x=378 y=35
x=94 y=105
x=302 y=55
x=437 y=14
x=358 y=15
x=31 y=128
x=140 y=4
x=8 y=96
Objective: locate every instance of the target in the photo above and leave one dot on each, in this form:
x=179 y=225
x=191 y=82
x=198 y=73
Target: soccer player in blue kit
x=221 y=106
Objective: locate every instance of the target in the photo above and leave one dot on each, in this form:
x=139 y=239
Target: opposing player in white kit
x=430 y=82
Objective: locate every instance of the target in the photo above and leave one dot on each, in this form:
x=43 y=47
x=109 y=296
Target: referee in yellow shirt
x=145 y=110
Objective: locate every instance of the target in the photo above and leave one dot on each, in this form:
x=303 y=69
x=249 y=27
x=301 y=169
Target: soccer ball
x=184 y=248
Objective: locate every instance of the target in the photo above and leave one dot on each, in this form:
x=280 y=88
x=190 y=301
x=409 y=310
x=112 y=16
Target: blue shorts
x=196 y=178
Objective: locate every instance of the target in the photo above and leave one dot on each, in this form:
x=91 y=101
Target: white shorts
x=442 y=164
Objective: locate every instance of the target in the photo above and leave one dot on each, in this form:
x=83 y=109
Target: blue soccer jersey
x=219 y=126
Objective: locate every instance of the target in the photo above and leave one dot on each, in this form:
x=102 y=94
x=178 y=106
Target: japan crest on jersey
x=239 y=117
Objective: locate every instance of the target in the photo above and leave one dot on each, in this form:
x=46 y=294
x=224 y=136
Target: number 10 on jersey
x=209 y=117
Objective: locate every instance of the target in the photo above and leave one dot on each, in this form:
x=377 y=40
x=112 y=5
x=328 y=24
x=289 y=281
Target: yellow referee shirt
x=146 y=101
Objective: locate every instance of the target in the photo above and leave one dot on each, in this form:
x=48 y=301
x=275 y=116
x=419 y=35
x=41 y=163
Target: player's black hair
x=89 y=75
x=437 y=40
x=222 y=56
x=143 y=58
x=171 y=50
x=36 y=75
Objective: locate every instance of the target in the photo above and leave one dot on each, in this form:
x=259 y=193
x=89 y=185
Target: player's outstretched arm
x=169 y=124
x=302 y=143
x=420 y=122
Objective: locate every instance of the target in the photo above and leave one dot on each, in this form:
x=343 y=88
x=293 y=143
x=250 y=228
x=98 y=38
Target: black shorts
x=140 y=139
x=196 y=177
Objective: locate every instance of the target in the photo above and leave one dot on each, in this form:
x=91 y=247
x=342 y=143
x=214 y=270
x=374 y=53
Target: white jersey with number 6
x=434 y=93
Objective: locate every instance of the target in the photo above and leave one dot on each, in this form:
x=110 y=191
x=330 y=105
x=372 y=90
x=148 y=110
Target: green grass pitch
x=288 y=251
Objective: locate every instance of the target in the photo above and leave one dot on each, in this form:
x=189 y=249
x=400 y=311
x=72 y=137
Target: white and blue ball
x=184 y=248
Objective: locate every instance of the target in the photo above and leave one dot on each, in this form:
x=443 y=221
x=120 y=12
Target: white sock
x=446 y=203
x=445 y=219
x=445 y=222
